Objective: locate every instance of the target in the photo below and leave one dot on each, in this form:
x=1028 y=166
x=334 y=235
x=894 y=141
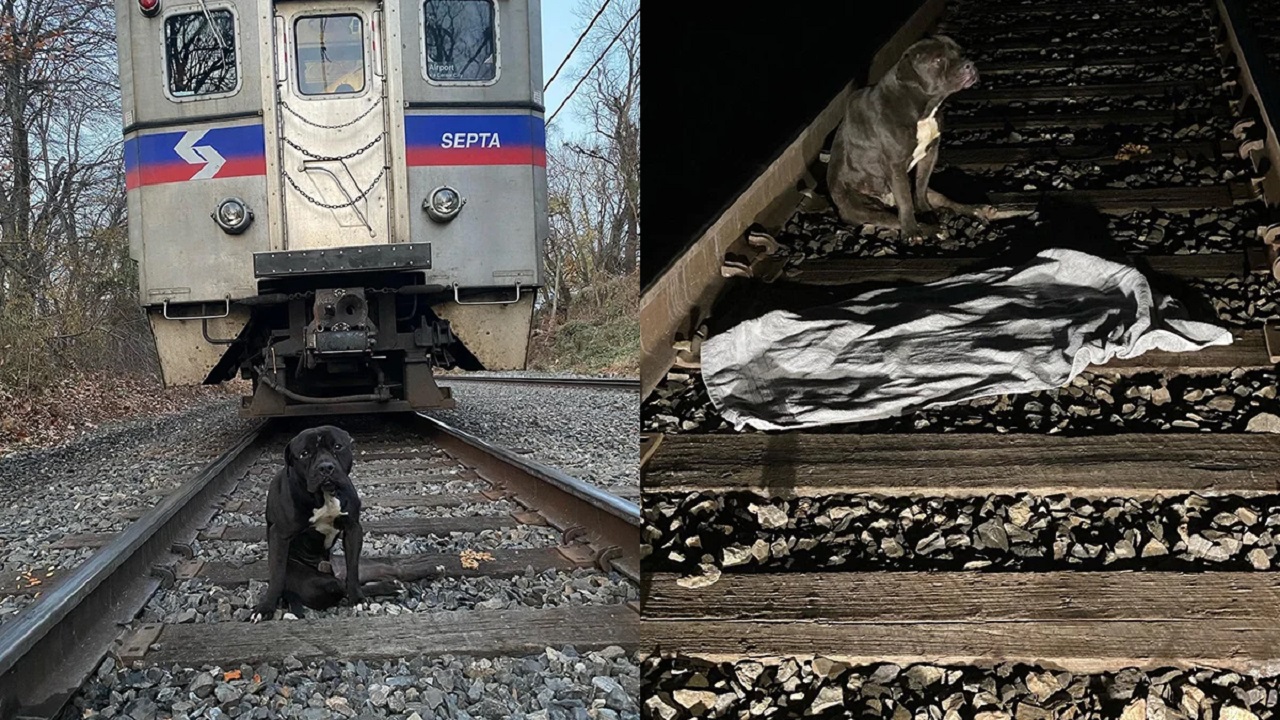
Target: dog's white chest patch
x=926 y=133
x=323 y=517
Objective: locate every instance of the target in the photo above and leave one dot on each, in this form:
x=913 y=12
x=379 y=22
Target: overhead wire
x=591 y=69
x=578 y=42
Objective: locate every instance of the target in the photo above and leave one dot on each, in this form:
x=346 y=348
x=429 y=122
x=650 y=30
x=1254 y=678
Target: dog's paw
x=920 y=233
x=986 y=213
x=256 y=617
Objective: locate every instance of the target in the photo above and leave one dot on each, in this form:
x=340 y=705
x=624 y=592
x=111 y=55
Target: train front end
x=333 y=199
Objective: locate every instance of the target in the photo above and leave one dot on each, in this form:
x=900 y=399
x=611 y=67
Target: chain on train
x=333 y=158
x=348 y=123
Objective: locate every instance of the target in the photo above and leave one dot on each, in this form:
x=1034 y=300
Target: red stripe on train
x=422 y=156
x=162 y=173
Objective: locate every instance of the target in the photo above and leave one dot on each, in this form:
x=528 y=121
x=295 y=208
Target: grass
x=598 y=335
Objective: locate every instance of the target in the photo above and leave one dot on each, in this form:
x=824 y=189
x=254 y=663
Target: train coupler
x=340 y=326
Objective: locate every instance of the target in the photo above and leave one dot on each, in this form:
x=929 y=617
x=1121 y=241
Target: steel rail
x=48 y=649
x=604 y=383
x=1258 y=79
x=610 y=524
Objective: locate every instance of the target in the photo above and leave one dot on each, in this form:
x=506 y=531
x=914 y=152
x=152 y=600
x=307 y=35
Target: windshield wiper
x=216 y=35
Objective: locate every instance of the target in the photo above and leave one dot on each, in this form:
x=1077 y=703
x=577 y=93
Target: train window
x=460 y=39
x=330 y=54
x=200 y=60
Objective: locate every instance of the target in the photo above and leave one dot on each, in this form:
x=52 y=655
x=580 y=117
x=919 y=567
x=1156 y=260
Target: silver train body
x=334 y=197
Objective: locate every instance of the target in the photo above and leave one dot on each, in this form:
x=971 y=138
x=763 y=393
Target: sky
x=560 y=28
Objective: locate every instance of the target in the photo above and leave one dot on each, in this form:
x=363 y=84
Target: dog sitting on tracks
x=311 y=502
x=891 y=128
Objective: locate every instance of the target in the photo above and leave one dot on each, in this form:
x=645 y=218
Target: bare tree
x=63 y=253
x=594 y=179
x=57 y=86
x=611 y=107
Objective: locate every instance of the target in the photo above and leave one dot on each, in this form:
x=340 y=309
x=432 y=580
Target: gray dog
x=311 y=502
x=890 y=129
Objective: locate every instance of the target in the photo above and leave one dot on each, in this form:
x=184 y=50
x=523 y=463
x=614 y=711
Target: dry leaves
x=28 y=579
x=471 y=559
x=1129 y=151
x=230 y=675
x=74 y=405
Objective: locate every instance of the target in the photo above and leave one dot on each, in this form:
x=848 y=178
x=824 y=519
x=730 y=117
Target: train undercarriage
x=348 y=341
x=344 y=349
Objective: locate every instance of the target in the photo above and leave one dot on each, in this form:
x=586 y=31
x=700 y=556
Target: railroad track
x=1101 y=550
x=501 y=557
x=594 y=383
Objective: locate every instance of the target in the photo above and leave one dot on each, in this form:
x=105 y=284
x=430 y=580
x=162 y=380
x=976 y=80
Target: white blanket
x=894 y=351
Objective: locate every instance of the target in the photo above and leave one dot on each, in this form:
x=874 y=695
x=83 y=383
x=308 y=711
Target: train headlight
x=149 y=8
x=233 y=216
x=444 y=204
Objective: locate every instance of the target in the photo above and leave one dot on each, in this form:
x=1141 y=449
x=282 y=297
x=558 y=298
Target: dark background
x=727 y=86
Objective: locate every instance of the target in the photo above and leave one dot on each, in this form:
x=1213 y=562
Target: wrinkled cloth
x=897 y=350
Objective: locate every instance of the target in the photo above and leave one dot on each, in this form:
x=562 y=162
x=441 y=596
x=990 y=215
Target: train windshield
x=330 y=54
x=461 y=40
x=199 y=61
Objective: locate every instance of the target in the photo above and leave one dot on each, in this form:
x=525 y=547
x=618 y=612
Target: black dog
x=892 y=127
x=310 y=503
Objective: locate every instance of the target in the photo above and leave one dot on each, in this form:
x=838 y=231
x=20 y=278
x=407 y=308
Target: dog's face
x=321 y=457
x=939 y=66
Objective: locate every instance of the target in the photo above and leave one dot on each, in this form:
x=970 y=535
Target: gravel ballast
x=239 y=552
x=1192 y=70
x=698 y=533
x=815 y=236
x=1094 y=49
x=559 y=684
x=1215 y=127
x=677 y=687
x=88 y=484
x=198 y=600
x=1092 y=403
x=1048 y=175
x=587 y=433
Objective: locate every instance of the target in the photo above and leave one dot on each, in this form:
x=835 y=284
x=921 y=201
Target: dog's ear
x=347 y=455
x=905 y=69
x=288 y=456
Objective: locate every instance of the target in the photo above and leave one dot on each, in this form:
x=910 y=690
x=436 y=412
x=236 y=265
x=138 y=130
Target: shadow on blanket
x=1064 y=223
